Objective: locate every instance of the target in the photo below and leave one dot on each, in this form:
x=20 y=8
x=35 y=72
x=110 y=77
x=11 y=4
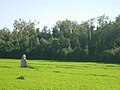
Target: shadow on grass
x=21 y=77
x=71 y=60
x=5 y=67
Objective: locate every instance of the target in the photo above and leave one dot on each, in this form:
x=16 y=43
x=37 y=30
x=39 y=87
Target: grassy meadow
x=51 y=75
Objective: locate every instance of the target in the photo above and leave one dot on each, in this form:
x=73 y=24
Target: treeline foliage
x=66 y=40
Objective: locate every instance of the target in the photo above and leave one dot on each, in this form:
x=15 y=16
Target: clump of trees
x=66 y=40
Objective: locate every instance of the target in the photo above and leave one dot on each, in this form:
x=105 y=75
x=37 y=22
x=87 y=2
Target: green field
x=51 y=75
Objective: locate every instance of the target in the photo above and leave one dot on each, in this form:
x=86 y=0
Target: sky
x=47 y=12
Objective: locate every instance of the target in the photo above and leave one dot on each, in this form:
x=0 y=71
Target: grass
x=47 y=75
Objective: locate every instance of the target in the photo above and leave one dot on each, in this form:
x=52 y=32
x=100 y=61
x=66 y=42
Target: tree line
x=97 y=39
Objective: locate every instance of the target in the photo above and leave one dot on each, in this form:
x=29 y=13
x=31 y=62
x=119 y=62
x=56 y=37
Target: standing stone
x=24 y=61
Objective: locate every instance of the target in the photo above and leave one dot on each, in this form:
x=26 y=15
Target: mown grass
x=48 y=75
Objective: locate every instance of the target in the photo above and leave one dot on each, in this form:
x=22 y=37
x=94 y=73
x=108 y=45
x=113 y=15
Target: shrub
x=21 y=77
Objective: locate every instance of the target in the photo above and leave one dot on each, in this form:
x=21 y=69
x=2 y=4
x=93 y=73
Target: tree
x=67 y=40
x=101 y=21
x=6 y=39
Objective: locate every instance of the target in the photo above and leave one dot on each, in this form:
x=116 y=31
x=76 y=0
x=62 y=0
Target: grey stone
x=24 y=61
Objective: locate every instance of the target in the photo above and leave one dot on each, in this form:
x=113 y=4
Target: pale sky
x=47 y=12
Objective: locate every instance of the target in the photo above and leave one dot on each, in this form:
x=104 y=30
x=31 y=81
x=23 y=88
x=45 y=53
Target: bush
x=21 y=77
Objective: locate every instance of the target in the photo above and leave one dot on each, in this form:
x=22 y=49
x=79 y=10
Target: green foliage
x=112 y=55
x=66 y=40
